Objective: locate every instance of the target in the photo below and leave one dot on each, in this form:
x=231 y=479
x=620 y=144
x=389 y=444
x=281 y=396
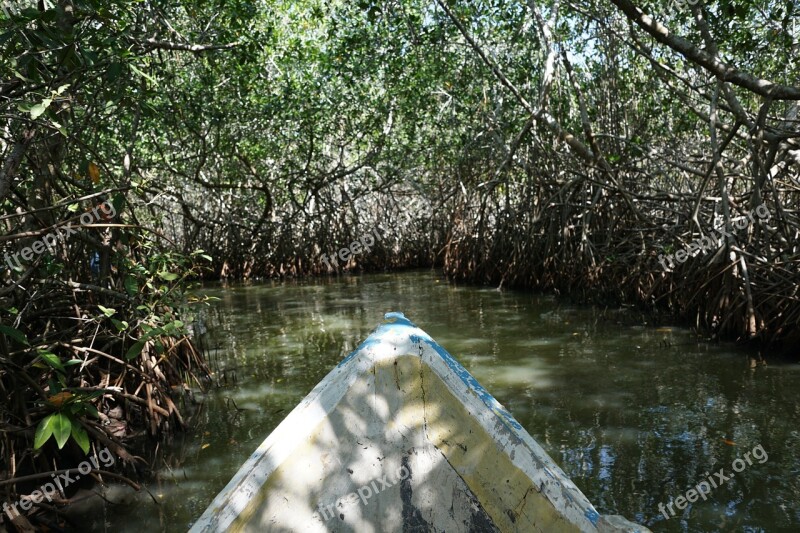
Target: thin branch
x=152 y=44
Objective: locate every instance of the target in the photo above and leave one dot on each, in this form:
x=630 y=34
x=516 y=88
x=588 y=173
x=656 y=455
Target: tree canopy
x=577 y=147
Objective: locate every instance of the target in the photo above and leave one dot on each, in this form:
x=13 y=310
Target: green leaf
x=21 y=77
x=62 y=427
x=106 y=311
x=52 y=360
x=55 y=386
x=167 y=276
x=80 y=436
x=92 y=410
x=37 y=110
x=130 y=286
x=15 y=334
x=202 y=253
x=173 y=326
x=135 y=350
x=121 y=325
x=59 y=127
x=43 y=431
x=142 y=74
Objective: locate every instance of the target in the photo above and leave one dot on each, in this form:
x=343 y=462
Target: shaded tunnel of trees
x=571 y=146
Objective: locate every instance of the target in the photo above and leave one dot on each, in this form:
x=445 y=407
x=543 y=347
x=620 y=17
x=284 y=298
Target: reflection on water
x=635 y=416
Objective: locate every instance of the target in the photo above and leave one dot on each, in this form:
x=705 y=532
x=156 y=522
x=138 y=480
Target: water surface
x=636 y=416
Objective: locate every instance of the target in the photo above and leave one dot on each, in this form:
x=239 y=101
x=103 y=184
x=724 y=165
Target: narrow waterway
x=635 y=416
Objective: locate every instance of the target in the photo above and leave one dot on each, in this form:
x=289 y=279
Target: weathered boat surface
x=400 y=437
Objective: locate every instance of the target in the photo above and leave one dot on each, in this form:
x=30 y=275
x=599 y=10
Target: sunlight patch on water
x=607 y=400
x=621 y=435
x=513 y=375
x=533 y=343
x=333 y=322
x=255 y=392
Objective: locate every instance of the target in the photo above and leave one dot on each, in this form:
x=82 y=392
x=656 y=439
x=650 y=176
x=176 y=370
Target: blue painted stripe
x=592 y=515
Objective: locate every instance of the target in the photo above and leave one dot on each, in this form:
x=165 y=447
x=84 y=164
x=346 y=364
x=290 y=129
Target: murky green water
x=635 y=416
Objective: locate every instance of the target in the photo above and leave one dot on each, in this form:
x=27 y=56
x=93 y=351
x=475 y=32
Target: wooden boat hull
x=400 y=437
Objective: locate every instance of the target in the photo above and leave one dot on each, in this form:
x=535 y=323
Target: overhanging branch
x=700 y=57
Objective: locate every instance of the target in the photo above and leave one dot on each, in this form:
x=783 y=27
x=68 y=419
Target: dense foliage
x=580 y=147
